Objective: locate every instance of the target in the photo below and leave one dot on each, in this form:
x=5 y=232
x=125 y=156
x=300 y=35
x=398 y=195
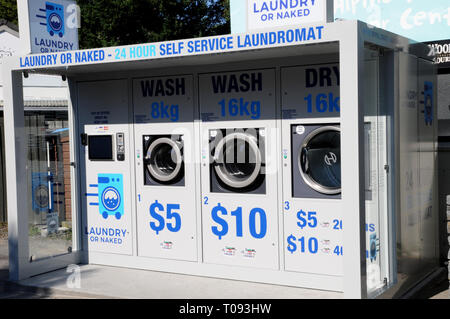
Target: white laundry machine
x=239 y=179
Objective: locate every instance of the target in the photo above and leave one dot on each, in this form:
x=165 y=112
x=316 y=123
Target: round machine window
x=320 y=160
x=165 y=159
x=238 y=160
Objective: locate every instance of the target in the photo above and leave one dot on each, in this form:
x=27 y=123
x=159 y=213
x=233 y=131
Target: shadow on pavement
x=10 y=290
x=4 y=274
x=433 y=290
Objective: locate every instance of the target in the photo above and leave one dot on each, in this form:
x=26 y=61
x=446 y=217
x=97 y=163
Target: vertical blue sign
x=42 y=191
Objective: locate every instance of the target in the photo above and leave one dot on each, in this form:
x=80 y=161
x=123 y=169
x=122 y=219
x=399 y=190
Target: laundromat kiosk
x=300 y=156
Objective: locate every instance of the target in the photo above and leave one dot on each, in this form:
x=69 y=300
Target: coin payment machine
x=106 y=192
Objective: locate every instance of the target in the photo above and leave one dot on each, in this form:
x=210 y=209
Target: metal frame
x=15 y=146
x=352 y=36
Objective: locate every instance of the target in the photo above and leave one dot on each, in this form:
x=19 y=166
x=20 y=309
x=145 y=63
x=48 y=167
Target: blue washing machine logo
x=54 y=18
x=110 y=190
x=109 y=194
x=111 y=198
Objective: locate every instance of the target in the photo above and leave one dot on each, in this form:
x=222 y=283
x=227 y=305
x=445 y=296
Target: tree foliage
x=8 y=10
x=121 y=22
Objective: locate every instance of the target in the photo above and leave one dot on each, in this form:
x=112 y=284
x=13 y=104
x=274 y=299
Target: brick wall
x=67 y=189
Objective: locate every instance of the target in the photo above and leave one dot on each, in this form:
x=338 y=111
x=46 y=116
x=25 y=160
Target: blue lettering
x=89 y=56
x=264 y=7
x=106 y=231
x=24 y=64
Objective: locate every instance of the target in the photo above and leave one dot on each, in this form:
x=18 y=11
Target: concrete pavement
x=93 y=281
x=114 y=282
x=9 y=290
x=143 y=284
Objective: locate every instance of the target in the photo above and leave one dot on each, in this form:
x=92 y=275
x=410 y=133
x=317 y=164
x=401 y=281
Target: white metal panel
x=313 y=229
x=244 y=99
x=352 y=152
x=103 y=111
x=15 y=160
x=409 y=162
x=377 y=239
x=74 y=172
x=166 y=214
x=427 y=123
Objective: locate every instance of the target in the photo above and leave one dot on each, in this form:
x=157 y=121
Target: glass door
x=49 y=184
x=52 y=238
x=376 y=180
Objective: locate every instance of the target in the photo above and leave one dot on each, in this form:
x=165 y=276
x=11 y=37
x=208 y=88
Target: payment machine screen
x=100 y=147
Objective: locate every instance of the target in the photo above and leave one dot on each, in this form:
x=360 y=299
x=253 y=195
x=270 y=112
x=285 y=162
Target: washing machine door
x=320 y=160
x=164 y=159
x=238 y=160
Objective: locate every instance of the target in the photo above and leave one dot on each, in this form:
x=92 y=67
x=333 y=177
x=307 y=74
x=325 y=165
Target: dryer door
x=238 y=160
x=319 y=160
x=164 y=160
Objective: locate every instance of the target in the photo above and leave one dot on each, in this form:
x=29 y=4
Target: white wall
x=36 y=87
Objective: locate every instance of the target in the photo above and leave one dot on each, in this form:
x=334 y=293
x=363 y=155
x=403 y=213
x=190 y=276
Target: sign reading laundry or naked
x=53 y=25
x=274 y=13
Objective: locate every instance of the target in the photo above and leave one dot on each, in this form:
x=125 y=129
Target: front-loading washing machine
x=238 y=161
x=311 y=157
x=316 y=161
x=164 y=166
x=163 y=160
x=238 y=177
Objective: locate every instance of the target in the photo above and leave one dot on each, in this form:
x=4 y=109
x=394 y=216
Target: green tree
x=8 y=10
x=121 y=22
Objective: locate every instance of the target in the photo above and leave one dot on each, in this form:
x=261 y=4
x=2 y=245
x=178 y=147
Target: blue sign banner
x=225 y=43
